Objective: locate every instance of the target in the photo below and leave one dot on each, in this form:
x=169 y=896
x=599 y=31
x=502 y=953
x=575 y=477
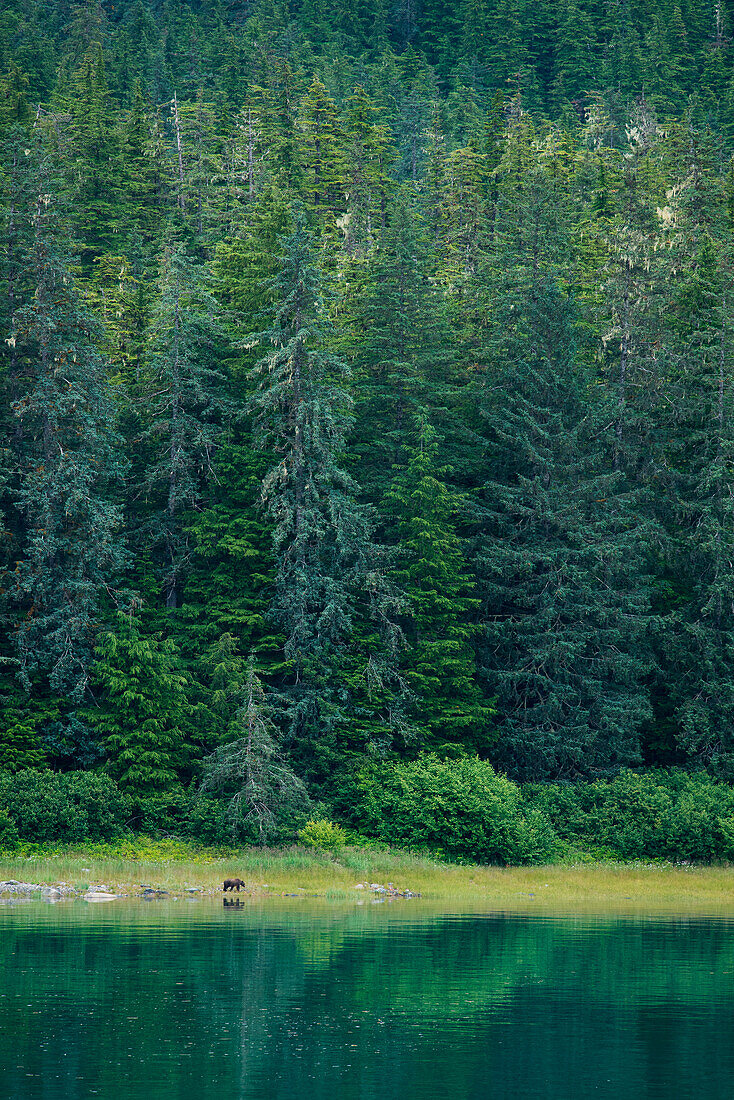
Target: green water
x=331 y=1002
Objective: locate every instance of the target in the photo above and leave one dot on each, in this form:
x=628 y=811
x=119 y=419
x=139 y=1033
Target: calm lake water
x=327 y=1002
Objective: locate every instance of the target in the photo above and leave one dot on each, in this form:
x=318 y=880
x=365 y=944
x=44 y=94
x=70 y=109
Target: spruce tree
x=231 y=571
x=560 y=559
x=185 y=404
x=276 y=108
x=321 y=534
x=93 y=158
x=141 y=183
x=198 y=166
x=575 y=54
x=246 y=264
x=370 y=156
x=439 y=619
x=697 y=643
x=249 y=768
x=21 y=745
x=141 y=710
x=630 y=300
x=70 y=546
x=401 y=348
x=322 y=153
x=504 y=45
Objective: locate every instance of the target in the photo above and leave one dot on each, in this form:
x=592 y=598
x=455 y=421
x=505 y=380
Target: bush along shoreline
x=459 y=811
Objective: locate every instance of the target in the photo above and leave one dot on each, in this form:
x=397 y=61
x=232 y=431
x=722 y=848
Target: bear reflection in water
x=233 y=903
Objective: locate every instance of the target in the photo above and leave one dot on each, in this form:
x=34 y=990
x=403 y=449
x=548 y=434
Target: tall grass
x=176 y=866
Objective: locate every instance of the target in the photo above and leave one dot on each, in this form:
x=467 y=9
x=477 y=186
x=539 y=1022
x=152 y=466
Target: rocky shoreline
x=13 y=889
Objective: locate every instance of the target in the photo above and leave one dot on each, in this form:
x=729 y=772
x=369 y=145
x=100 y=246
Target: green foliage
x=249 y=767
x=184 y=813
x=321 y=534
x=185 y=403
x=698 y=642
x=396 y=348
x=322 y=834
x=649 y=815
x=460 y=808
x=93 y=154
x=8 y=830
x=430 y=570
x=43 y=807
x=142 y=710
x=322 y=154
x=244 y=251
x=560 y=557
x=20 y=740
x=230 y=569
x=68 y=550
x=246 y=264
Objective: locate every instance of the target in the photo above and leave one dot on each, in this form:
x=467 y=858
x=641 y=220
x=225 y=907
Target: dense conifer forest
x=367 y=396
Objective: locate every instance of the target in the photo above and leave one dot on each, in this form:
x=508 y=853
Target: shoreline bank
x=161 y=870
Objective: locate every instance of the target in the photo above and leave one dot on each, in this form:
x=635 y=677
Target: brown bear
x=233 y=884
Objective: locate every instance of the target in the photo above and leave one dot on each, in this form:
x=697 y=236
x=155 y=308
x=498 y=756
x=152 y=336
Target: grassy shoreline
x=177 y=867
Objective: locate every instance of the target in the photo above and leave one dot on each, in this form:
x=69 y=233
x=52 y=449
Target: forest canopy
x=367 y=397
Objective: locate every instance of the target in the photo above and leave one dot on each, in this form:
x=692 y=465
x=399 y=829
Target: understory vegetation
x=456 y=811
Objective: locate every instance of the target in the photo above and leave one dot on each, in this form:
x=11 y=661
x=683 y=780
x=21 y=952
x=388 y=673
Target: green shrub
x=203 y=818
x=322 y=834
x=75 y=806
x=208 y=823
x=8 y=830
x=163 y=814
x=660 y=814
x=458 y=808
x=629 y=815
x=185 y=813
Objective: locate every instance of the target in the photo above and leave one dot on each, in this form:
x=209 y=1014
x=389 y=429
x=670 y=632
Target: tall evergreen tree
x=440 y=614
x=698 y=641
x=322 y=540
x=322 y=155
x=92 y=151
x=249 y=767
x=370 y=156
x=401 y=348
x=230 y=577
x=141 y=177
x=70 y=544
x=185 y=404
x=560 y=560
x=141 y=708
